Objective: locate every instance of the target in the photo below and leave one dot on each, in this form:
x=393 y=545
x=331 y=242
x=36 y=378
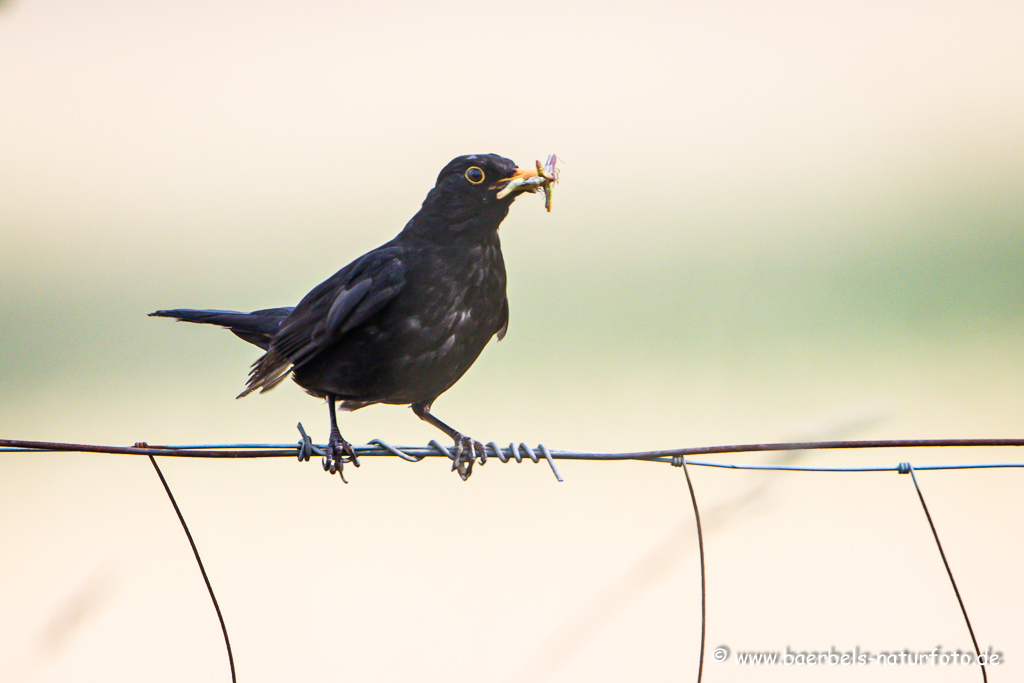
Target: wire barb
x=306 y=448
x=551 y=461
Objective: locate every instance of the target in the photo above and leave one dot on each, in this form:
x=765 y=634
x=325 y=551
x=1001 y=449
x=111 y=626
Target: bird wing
x=332 y=309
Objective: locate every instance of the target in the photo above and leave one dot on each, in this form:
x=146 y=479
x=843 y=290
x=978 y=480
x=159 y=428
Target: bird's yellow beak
x=530 y=180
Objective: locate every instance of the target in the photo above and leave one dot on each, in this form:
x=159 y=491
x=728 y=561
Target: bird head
x=476 y=191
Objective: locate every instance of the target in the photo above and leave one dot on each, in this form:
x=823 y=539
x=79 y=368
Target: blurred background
x=780 y=220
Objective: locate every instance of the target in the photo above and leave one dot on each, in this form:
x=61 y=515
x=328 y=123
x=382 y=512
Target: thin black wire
x=703 y=579
x=977 y=650
x=202 y=569
x=881 y=468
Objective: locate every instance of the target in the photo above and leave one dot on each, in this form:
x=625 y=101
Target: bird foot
x=339 y=451
x=467 y=450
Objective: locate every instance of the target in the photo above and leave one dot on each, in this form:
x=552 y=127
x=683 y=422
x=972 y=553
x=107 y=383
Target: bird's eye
x=475 y=175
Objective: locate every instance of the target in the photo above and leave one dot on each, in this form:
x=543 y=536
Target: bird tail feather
x=258 y=327
x=270 y=370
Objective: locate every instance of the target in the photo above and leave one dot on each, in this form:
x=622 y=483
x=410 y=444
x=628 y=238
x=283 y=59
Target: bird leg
x=339 y=451
x=464 y=445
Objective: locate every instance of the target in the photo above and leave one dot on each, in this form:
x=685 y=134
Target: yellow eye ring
x=475 y=175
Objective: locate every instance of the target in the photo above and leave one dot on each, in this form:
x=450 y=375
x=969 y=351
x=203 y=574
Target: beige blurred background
x=776 y=220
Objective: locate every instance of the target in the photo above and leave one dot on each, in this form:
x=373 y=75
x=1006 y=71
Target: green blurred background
x=776 y=220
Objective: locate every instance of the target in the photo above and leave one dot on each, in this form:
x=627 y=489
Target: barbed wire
x=522 y=451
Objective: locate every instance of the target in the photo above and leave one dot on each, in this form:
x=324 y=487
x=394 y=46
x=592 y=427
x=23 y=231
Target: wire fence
x=682 y=457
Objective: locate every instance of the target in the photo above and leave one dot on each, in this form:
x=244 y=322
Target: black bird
x=402 y=323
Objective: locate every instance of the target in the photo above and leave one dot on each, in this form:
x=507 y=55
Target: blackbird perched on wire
x=402 y=323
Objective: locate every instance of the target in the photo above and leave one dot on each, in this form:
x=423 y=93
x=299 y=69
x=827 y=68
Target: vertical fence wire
x=949 y=572
x=703 y=572
x=202 y=569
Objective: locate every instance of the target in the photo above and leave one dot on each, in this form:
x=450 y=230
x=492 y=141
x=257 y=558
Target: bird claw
x=339 y=451
x=464 y=445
